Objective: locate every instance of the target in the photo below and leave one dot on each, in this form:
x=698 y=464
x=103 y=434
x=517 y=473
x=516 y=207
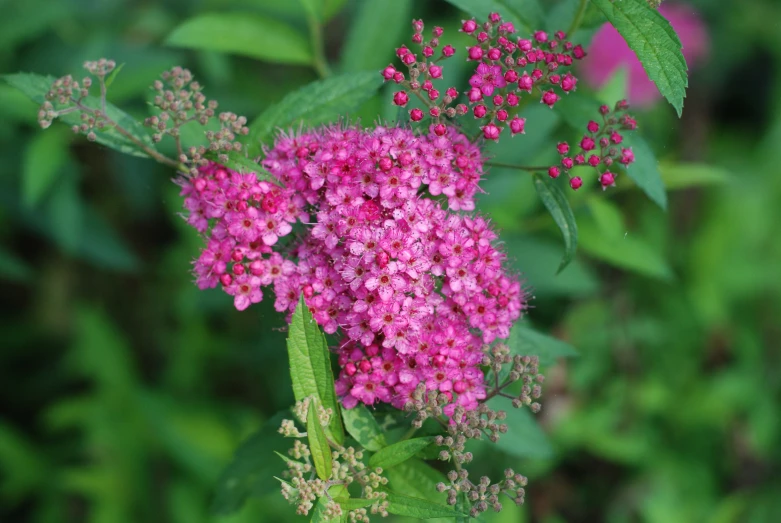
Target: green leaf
x=241 y=163
x=685 y=175
x=524 y=14
x=376 y=29
x=362 y=426
x=535 y=257
x=313 y=8
x=332 y=7
x=603 y=235
x=415 y=477
x=113 y=74
x=296 y=9
x=244 y=34
x=318 y=444
x=403 y=505
x=36 y=86
x=353 y=503
x=251 y=472
x=318 y=514
x=563 y=13
x=557 y=204
x=526 y=341
x=655 y=43
x=431 y=452
x=310 y=367
x=44 y=158
x=398 y=452
x=645 y=169
x=524 y=437
x=15 y=106
x=321 y=101
x=629 y=253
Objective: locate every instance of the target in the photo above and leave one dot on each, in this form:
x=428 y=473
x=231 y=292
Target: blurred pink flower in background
x=608 y=51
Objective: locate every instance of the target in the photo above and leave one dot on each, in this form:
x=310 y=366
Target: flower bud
x=491 y=132
x=400 y=98
x=388 y=72
x=549 y=98
x=607 y=179
x=468 y=26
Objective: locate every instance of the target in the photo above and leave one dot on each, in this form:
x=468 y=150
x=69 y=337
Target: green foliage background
x=125 y=390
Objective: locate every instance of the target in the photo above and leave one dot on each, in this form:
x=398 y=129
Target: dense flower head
x=415 y=288
x=508 y=68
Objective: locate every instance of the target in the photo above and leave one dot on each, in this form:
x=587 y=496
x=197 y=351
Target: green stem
x=409 y=433
x=141 y=145
x=318 y=47
x=578 y=18
x=518 y=167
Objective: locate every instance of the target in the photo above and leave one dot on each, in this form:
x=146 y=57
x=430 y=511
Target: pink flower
x=609 y=51
x=245 y=291
x=487 y=77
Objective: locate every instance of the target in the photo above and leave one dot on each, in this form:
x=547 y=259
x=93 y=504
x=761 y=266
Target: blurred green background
x=125 y=390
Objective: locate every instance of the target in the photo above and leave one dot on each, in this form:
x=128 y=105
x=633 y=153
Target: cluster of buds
x=67 y=95
x=599 y=148
x=178 y=98
x=180 y=101
x=507 y=67
x=482 y=422
x=476 y=423
x=484 y=494
x=301 y=487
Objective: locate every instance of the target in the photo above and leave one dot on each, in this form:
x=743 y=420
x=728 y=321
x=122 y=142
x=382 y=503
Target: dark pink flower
x=487 y=78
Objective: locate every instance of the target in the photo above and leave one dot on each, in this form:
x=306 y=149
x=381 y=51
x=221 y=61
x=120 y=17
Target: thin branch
x=578 y=18
x=102 y=81
x=318 y=47
x=517 y=167
x=141 y=145
x=409 y=433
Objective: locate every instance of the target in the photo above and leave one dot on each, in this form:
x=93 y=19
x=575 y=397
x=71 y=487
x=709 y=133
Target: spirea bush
x=371 y=234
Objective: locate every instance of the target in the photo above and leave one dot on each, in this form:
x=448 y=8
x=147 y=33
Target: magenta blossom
x=414 y=287
x=609 y=51
x=487 y=77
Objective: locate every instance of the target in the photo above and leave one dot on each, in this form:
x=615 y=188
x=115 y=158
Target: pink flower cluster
x=244 y=217
x=507 y=67
x=414 y=288
x=600 y=146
